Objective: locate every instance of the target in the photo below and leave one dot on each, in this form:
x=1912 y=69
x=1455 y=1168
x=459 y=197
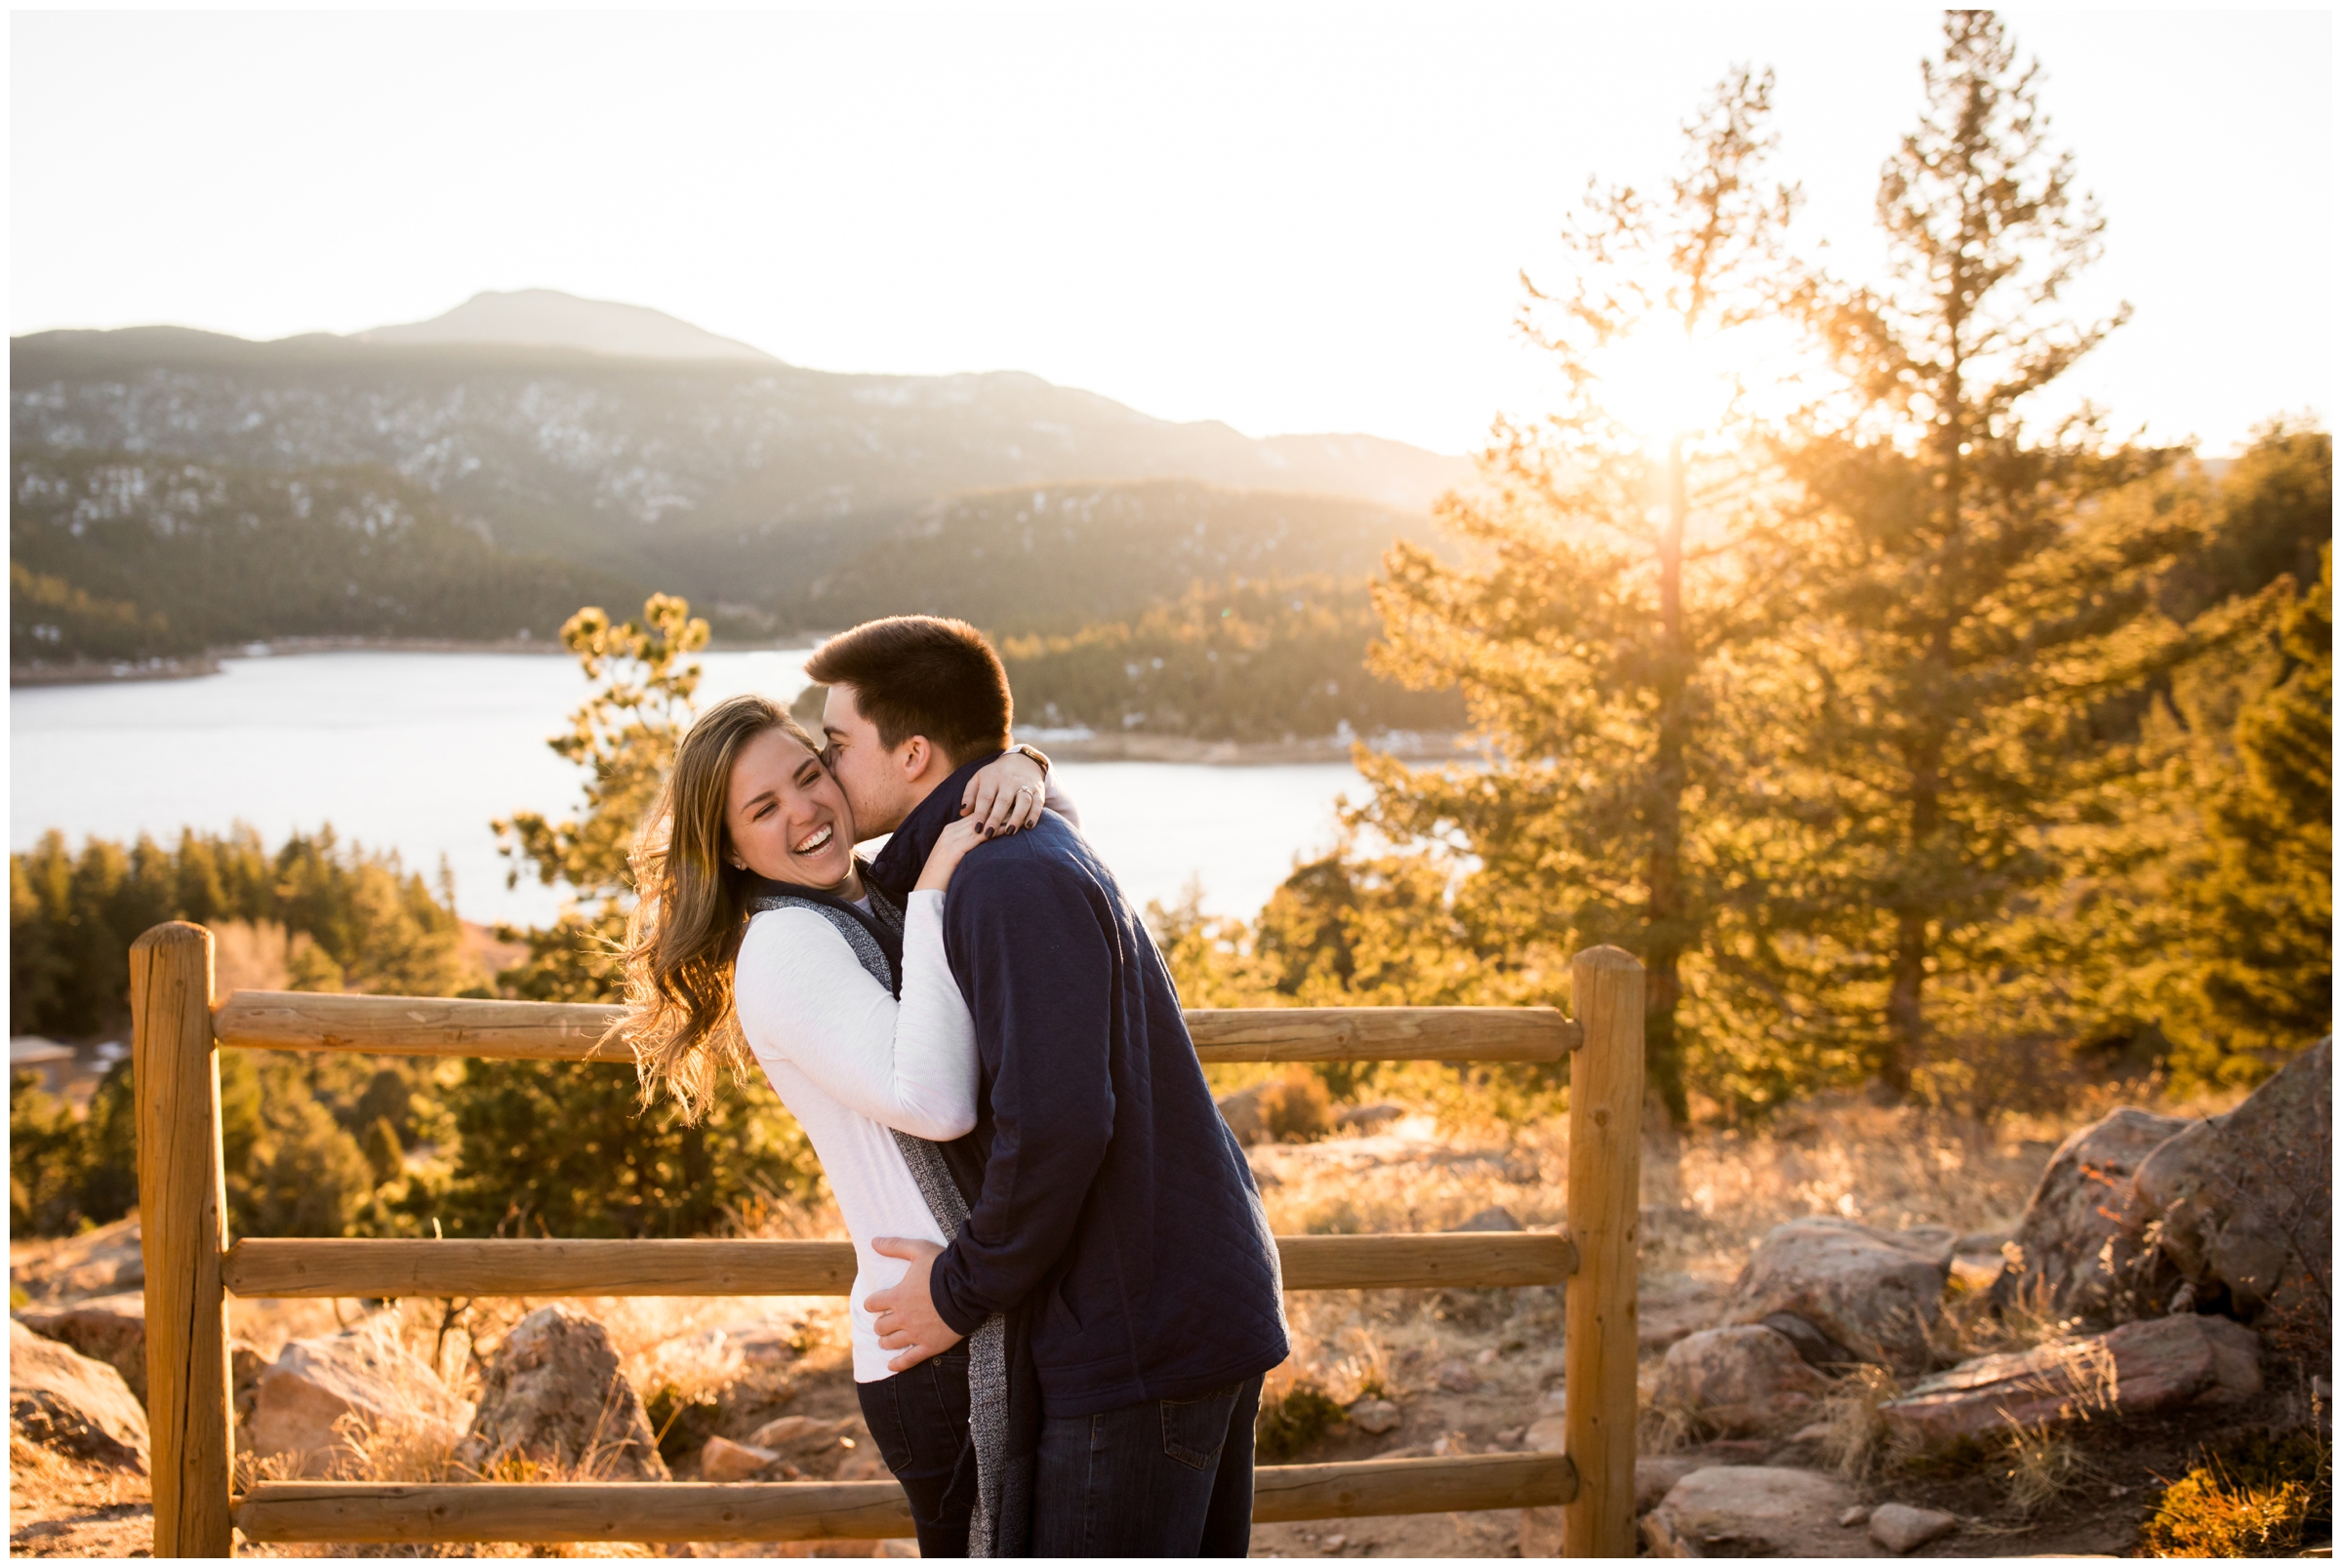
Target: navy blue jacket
x=1115 y=1203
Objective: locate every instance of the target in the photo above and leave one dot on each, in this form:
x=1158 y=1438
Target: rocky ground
x=1826 y=1308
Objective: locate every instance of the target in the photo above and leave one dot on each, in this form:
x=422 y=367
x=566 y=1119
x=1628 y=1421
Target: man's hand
x=906 y=1313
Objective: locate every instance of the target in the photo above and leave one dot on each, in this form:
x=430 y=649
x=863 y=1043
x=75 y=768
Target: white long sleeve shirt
x=850 y=1063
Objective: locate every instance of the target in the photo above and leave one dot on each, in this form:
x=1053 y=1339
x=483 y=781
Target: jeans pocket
x=1195 y=1429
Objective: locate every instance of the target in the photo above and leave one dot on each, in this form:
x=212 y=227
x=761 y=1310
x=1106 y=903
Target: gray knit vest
x=1002 y=1489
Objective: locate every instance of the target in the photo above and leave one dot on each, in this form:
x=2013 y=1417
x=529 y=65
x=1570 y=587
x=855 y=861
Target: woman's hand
x=1004 y=795
x=954 y=841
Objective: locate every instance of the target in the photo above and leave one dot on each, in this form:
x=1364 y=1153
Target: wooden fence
x=191 y=1268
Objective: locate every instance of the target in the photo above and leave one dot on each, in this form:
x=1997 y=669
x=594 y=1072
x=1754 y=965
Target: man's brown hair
x=922 y=675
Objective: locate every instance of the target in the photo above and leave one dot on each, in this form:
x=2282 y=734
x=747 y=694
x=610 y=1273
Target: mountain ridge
x=552 y=318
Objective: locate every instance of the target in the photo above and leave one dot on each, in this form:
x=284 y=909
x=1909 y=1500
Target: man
x=1116 y=1207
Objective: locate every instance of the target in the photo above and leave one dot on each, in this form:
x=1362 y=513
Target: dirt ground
x=1471 y=1371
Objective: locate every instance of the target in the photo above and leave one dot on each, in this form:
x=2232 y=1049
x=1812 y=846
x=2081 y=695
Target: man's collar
x=897 y=865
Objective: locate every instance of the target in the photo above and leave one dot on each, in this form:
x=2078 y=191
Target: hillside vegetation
x=677 y=473
x=116 y=557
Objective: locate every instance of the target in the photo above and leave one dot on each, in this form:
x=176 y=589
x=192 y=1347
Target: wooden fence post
x=1606 y=1178
x=183 y=1221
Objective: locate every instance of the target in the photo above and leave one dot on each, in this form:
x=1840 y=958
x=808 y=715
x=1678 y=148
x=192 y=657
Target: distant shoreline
x=95 y=671
x=1140 y=746
x=1137 y=746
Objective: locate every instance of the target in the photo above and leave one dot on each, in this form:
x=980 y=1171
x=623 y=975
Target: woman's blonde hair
x=691 y=911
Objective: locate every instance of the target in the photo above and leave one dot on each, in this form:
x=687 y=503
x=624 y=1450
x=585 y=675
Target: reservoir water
x=417 y=751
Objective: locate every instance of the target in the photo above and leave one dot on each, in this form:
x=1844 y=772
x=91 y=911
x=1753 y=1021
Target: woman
x=756 y=927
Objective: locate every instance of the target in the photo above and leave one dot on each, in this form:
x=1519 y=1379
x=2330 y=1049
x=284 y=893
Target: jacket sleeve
x=1040 y=974
x=801 y=994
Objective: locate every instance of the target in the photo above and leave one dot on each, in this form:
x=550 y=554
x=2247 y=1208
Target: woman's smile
x=818 y=840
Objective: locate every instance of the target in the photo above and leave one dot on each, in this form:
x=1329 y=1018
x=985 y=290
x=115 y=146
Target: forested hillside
x=1059 y=557
x=672 y=473
x=116 y=557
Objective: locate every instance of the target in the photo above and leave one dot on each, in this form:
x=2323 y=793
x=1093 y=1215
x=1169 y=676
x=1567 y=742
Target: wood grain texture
x=1366 y=1489
x=1380 y=1034
x=183 y=1205
x=574 y=1510
x=287 y=1266
x=1436 y=1262
x=435 y=1025
x=262 y=1267
x=349 y=1512
x=1606 y=1178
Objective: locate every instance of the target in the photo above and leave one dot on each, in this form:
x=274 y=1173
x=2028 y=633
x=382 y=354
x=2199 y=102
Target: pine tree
x=572 y=1149
x=1597 y=646
x=2266 y=909
x=1966 y=608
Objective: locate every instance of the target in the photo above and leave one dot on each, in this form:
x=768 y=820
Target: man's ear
x=915 y=757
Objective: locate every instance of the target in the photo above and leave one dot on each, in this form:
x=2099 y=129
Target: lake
x=417 y=751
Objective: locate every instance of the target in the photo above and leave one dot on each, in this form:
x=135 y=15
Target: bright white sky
x=1288 y=219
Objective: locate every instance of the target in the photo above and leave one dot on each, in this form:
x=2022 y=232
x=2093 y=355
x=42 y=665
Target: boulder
x=1753 y=1510
x=1366 y=1118
x=1245 y=1115
x=1375 y=1415
x=1498 y=1219
x=1814 y=1348
x=2074 y=1251
x=301 y=1399
x=804 y=1436
x=1456 y=1377
x=2151 y=1365
x=553 y=1397
x=1547 y=1434
x=64 y=1401
x=1739 y=1380
x=1655 y=1474
x=1899 y=1527
x=107 y=1328
x=107 y=1260
x=1871 y=1291
x=2246 y=1200
x=722 y=1460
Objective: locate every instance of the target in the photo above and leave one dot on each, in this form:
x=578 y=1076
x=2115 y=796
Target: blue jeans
x=919 y=1420
x=1167 y=1478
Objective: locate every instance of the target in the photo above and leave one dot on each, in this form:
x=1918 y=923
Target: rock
x=1245 y=1115
x=1656 y=1476
x=2062 y=1265
x=1870 y=1290
x=107 y=1328
x=1456 y=1377
x=1899 y=1527
x=1547 y=1434
x=553 y=1396
x=722 y=1460
x=1854 y=1517
x=299 y=1400
x=863 y=1466
x=1366 y=1118
x=1978 y=1243
x=1753 y=1510
x=245 y=1364
x=2156 y=1364
x=107 y=1260
x=2245 y=1201
x=1498 y=1218
x=1814 y=1348
x=1739 y=1380
x=65 y=1401
x=803 y=1435
x=1376 y=1416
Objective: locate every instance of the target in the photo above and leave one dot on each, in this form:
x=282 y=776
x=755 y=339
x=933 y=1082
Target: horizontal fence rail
x=262 y=1266
x=546 y=1513
x=563 y=1032
x=180 y=1023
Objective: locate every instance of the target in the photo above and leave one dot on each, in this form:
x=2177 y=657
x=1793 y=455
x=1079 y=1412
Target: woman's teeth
x=815 y=841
